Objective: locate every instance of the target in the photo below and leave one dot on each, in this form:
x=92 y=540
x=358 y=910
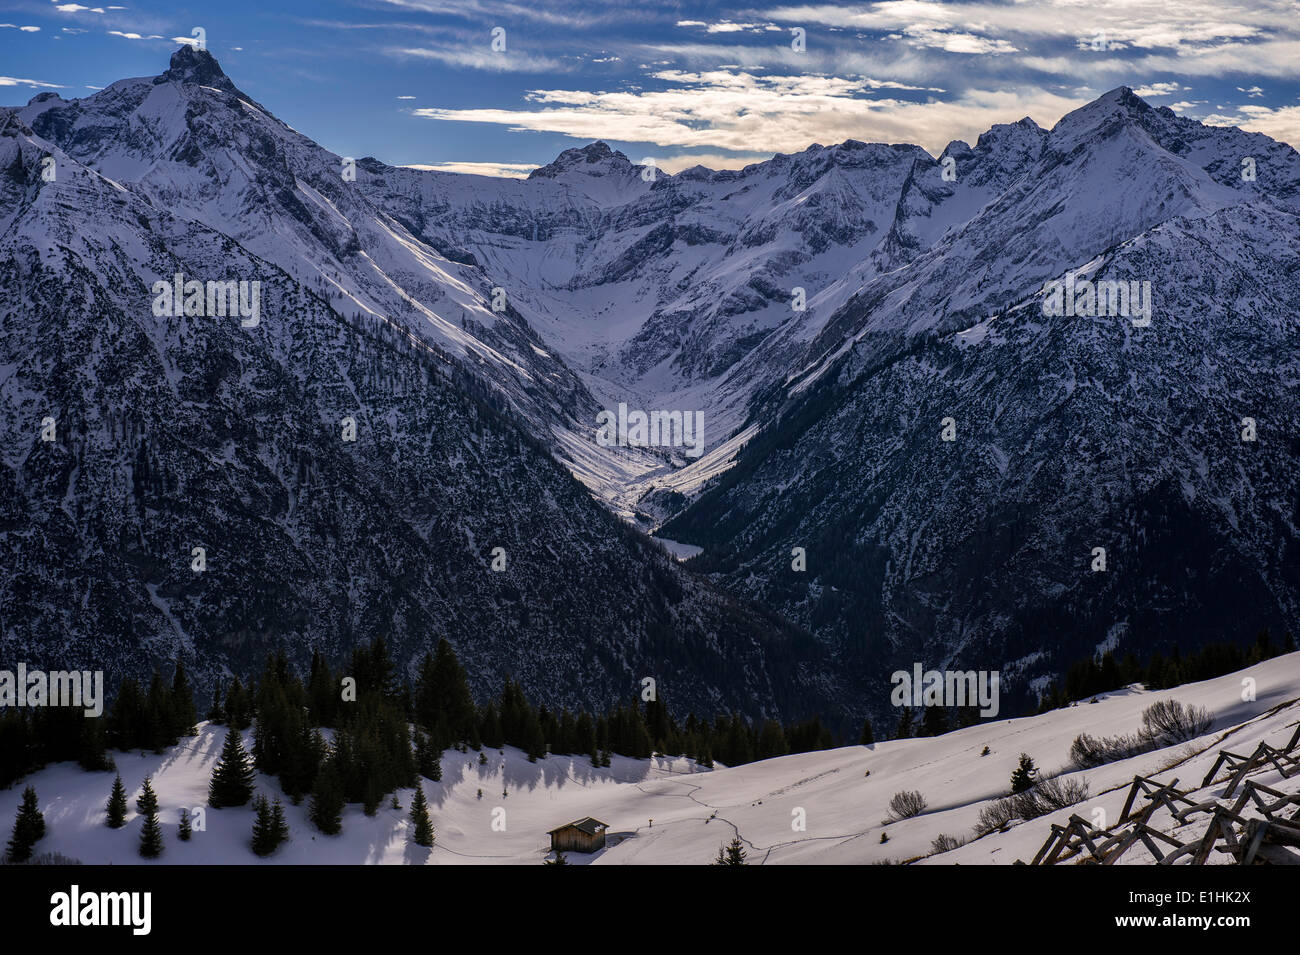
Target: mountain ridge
x=824 y=311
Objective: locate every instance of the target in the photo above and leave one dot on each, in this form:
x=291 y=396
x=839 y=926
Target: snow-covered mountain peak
x=1023 y=130
x=598 y=174
x=597 y=154
x=191 y=65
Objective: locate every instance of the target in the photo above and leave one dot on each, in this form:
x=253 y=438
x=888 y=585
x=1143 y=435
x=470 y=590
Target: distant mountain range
x=832 y=315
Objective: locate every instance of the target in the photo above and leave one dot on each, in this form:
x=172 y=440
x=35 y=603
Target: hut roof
x=586 y=824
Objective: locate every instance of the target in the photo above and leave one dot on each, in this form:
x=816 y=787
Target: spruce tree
x=733 y=855
x=117 y=805
x=423 y=834
x=867 y=737
x=263 y=843
x=736 y=852
x=232 y=779
x=151 y=840
x=327 y=801
x=239 y=707
x=216 y=714
x=935 y=721
x=904 y=730
x=93 y=756
x=279 y=825
x=1024 y=776
x=370 y=802
x=147 y=801
x=186 y=827
x=29 y=826
x=182 y=703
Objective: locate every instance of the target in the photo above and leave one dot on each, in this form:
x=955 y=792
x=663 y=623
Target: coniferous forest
x=356 y=734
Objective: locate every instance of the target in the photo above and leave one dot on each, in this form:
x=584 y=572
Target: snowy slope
x=666 y=811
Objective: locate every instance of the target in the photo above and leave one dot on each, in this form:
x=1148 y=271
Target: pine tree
x=216 y=714
x=1024 y=776
x=370 y=802
x=734 y=854
x=904 y=730
x=264 y=841
x=279 y=825
x=117 y=805
x=93 y=756
x=186 y=827
x=423 y=835
x=935 y=721
x=327 y=801
x=232 y=779
x=147 y=801
x=29 y=827
x=868 y=737
x=182 y=709
x=151 y=840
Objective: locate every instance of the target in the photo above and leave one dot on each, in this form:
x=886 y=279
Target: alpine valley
x=834 y=317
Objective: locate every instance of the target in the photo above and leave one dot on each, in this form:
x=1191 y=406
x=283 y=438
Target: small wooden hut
x=582 y=835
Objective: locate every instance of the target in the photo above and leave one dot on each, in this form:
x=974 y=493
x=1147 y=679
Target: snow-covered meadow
x=669 y=811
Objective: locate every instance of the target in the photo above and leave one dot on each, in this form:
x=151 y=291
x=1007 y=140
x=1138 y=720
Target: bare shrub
x=1057 y=792
x=1168 y=721
x=1164 y=723
x=946 y=843
x=905 y=805
x=996 y=815
x=1046 y=796
x=1089 y=751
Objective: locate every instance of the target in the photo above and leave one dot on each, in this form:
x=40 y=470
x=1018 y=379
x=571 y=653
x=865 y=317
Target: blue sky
x=418 y=82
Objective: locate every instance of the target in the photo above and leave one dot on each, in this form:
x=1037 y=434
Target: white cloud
x=133 y=36
x=14 y=26
x=18 y=81
x=1172 y=23
x=675 y=164
x=507 y=61
x=743 y=113
x=1282 y=123
x=1160 y=89
x=500 y=170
